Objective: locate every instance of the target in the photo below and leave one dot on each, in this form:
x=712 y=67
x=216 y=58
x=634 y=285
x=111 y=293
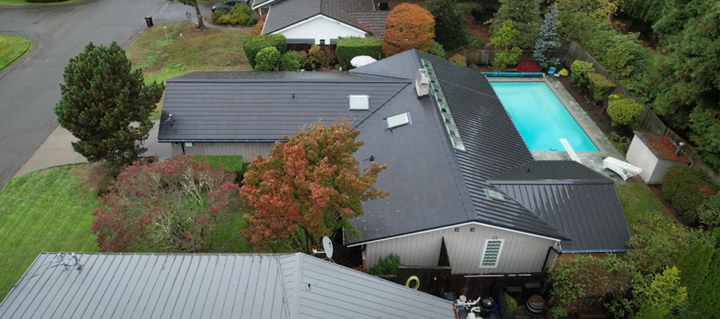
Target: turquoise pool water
x=541 y=118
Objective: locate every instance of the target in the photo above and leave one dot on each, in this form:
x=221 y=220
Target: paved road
x=30 y=88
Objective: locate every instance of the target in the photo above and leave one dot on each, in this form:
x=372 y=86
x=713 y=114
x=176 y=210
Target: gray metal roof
x=591 y=214
x=552 y=170
x=264 y=106
x=289 y=12
x=210 y=286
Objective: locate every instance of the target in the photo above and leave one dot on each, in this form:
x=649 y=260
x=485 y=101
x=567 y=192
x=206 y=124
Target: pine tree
x=106 y=105
x=694 y=266
x=709 y=305
x=450 y=29
x=547 y=40
x=526 y=16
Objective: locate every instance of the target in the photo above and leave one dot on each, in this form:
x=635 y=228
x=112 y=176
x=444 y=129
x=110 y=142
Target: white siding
x=248 y=151
x=520 y=253
x=320 y=28
x=641 y=156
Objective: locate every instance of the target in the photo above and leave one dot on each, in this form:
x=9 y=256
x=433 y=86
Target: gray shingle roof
x=288 y=12
x=210 y=286
x=374 y=21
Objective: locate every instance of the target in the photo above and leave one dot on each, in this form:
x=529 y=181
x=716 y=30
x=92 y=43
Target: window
x=398 y=120
x=491 y=253
x=359 y=102
x=322 y=42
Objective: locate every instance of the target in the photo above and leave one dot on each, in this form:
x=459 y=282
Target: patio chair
x=551 y=70
x=625 y=170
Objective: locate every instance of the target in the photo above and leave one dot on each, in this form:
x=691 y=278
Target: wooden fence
x=485 y=57
x=649 y=122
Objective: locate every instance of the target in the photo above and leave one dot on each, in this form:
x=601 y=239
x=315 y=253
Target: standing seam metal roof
x=210 y=286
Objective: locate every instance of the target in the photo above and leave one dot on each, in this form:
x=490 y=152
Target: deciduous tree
x=307 y=188
x=106 y=105
x=525 y=15
x=173 y=205
x=408 y=26
x=450 y=29
x=194 y=3
x=504 y=40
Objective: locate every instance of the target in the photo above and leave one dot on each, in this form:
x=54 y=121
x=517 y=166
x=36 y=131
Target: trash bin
x=148 y=21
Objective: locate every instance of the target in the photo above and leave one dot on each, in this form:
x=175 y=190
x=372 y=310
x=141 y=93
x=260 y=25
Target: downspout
x=547 y=256
x=182 y=145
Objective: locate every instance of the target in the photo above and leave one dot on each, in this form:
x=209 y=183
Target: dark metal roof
x=591 y=214
x=210 y=286
x=289 y=12
x=541 y=171
x=264 y=106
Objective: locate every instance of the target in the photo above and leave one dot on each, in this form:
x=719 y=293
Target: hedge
x=580 y=70
x=253 y=44
x=624 y=110
x=348 y=48
x=686 y=188
x=600 y=86
x=267 y=59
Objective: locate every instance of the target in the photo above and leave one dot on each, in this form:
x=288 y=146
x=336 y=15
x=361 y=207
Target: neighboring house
x=457 y=168
x=322 y=21
x=207 y=286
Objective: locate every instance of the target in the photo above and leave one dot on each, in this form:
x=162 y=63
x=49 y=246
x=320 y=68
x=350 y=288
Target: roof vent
x=359 y=102
x=396 y=121
x=422 y=83
x=495 y=194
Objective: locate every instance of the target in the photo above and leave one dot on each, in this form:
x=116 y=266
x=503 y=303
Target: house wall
x=641 y=156
x=247 y=150
x=320 y=28
x=519 y=254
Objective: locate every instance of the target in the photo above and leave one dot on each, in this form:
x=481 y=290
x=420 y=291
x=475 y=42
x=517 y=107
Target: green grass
x=45 y=211
x=25 y=3
x=638 y=200
x=12 y=47
x=186 y=50
x=231 y=163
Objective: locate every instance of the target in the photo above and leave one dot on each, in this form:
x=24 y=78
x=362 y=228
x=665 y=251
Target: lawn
x=25 y=3
x=638 y=200
x=12 y=47
x=186 y=50
x=231 y=163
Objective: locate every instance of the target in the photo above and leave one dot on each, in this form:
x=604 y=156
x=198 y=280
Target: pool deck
x=589 y=159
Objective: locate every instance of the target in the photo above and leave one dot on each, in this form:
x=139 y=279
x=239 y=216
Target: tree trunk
x=200 y=24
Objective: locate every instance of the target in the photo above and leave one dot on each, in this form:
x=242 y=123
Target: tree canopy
x=450 y=29
x=106 y=104
x=307 y=188
x=525 y=15
x=408 y=26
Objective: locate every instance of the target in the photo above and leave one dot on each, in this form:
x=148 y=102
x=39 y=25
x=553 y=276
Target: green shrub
x=579 y=72
x=621 y=143
x=291 y=61
x=458 y=59
x=348 y=48
x=238 y=15
x=437 y=50
x=511 y=303
x=267 y=59
x=709 y=212
x=385 y=266
x=624 y=110
x=253 y=44
x=600 y=86
x=705 y=131
x=45 y=1
x=315 y=56
x=685 y=188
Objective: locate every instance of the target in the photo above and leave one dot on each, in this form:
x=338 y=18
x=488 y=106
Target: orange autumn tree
x=408 y=26
x=307 y=188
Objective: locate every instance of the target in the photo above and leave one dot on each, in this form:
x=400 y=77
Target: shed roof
x=210 y=286
x=662 y=147
x=289 y=12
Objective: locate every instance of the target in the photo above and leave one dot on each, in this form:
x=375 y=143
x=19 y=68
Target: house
x=217 y=286
x=322 y=22
x=654 y=154
x=458 y=170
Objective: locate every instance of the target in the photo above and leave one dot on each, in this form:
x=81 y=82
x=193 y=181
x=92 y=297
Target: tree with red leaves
x=166 y=206
x=307 y=188
x=408 y=26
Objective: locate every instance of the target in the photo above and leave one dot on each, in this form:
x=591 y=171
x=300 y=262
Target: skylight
x=495 y=194
x=441 y=103
x=359 y=102
x=398 y=120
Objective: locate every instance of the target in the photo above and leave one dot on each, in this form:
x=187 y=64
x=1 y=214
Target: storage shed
x=654 y=154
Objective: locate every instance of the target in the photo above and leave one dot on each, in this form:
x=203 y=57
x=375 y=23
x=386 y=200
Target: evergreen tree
x=694 y=266
x=709 y=305
x=547 y=40
x=450 y=30
x=657 y=298
x=106 y=105
x=526 y=16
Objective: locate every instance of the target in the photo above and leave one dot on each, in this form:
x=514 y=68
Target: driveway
x=30 y=88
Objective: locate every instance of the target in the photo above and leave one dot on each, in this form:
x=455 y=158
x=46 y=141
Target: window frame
x=497 y=259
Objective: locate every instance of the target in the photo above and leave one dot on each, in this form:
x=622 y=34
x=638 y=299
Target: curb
x=42 y=5
x=19 y=56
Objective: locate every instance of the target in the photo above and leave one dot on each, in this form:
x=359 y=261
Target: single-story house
x=457 y=171
x=308 y=22
x=217 y=286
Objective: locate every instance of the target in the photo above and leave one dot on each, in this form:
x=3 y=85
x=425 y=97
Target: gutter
x=218 y=141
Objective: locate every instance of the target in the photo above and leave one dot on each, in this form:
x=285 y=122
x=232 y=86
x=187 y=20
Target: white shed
x=654 y=154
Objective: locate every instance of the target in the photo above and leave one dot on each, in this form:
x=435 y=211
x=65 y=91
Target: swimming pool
x=541 y=118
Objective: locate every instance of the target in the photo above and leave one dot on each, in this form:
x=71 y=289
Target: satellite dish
x=328 y=246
